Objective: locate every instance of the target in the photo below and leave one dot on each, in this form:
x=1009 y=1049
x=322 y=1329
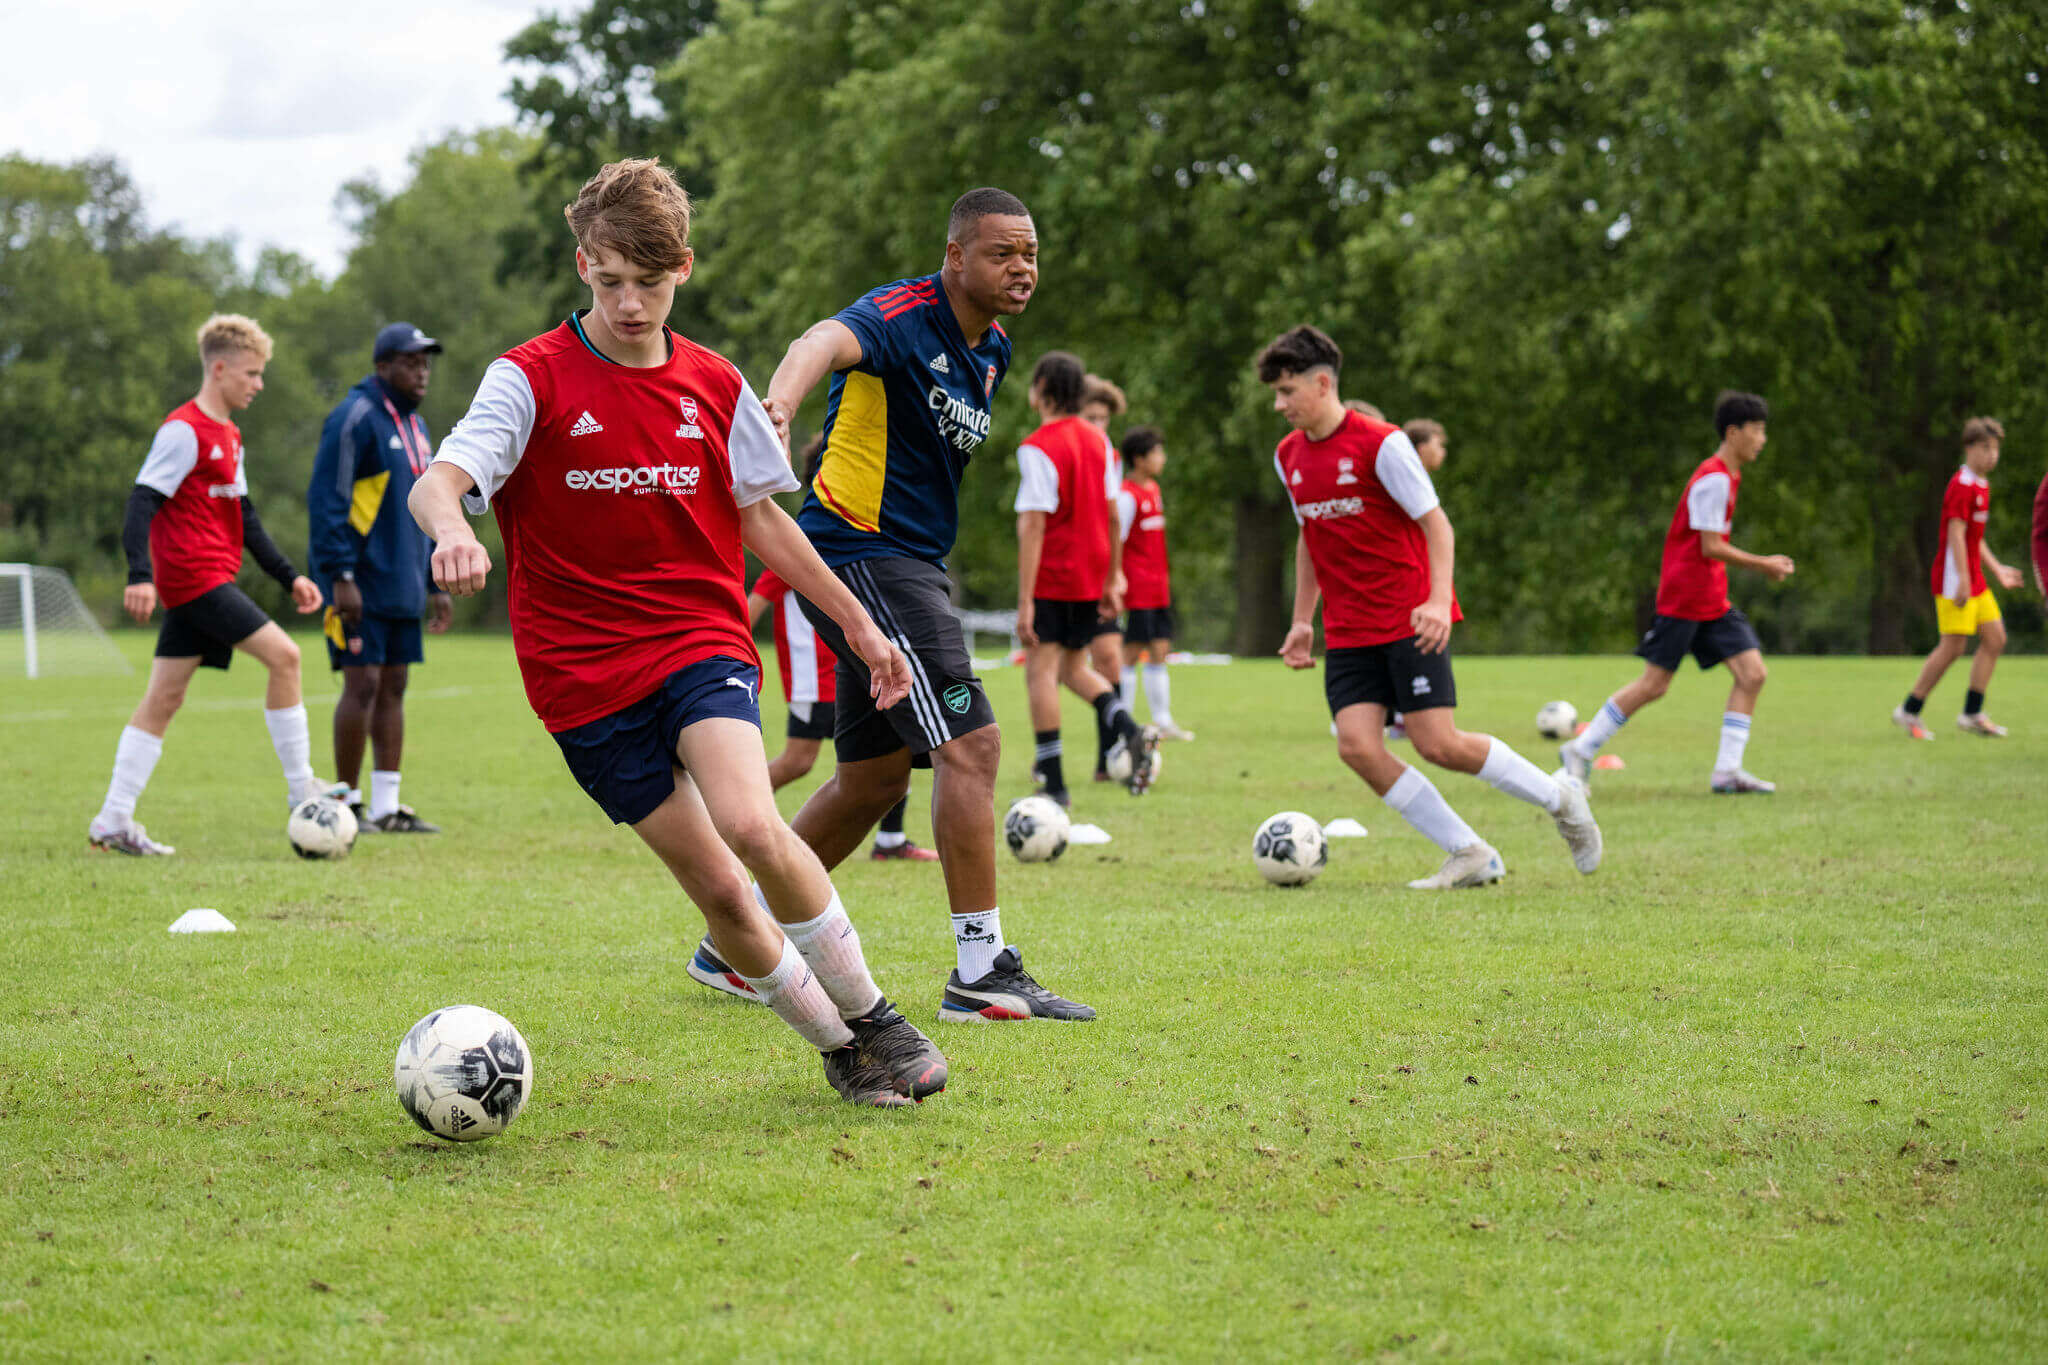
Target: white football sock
x=831 y=945
x=799 y=1000
x=1415 y=799
x=134 y=760
x=1127 y=686
x=294 y=745
x=1508 y=771
x=1159 y=694
x=1734 y=739
x=890 y=838
x=383 y=794
x=1601 y=728
x=976 y=940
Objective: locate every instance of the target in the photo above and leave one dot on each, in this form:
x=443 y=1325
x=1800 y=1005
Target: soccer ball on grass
x=1555 y=719
x=1118 y=765
x=1289 y=849
x=464 y=1073
x=1036 y=829
x=321 y=827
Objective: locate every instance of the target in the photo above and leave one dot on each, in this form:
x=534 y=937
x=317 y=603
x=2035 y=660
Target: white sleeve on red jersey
x=491 y=437
x=1112 y=475
x=759 y=468
x=1038 y=483
x=1286 y=488
x=1706 y=504
x=1126 y=513
x=1399 y=470
x=172 y=455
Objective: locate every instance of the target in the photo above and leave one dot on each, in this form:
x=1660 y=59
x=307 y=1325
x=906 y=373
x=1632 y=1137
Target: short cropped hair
x=225 y=333
x=1983 y=429
x=1733 y=409
x=1423 y=430
x=1059 y=377
x=1096 y=389
x=970 y=208
x=1139 y=442
x=1298 y=351
x=1364 y=409
x=637 y=209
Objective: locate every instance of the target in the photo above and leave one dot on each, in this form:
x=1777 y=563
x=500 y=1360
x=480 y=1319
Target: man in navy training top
x=374 y=566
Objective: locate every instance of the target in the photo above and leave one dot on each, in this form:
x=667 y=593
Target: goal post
x=44 y=623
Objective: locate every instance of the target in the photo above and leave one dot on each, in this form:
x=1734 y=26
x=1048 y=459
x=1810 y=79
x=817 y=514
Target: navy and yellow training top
x=901 y=427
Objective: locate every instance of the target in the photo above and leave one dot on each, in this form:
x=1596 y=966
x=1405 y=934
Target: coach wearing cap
x=371 y=562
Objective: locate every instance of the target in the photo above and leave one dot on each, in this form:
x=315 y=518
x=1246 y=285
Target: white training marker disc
x=1087 y=834
x=202 y=922
x=1343 y=827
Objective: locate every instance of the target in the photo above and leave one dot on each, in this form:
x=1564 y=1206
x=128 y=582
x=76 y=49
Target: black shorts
x=1395 y=675
x=210 y=626
x=911 y=601
x=1146 y=624
x=626 y=761
x=1070 y=625
x=810 y=720
x=377 y=640
x=1670 y=638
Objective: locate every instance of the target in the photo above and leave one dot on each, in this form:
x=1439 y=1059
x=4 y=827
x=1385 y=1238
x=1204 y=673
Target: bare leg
x=1748 y=673
x=387 y=720
x=1362 y=744
x=276 y=651
x=1946 y=651
x=163 y=694
x=1990 y=644
x=1437 y=738
x=797 y=758
x=963 y=817
x=837 y=818
x=352 y=712
x=741 y=806
x=1654 y=683
x=1043 y=667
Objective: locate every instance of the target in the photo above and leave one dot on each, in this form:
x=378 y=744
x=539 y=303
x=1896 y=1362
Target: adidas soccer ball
x=1556 y=719
x=1118 y=765
x=1036 y=829
x=321 y=827
x=464 y=1073
x=1289 y=849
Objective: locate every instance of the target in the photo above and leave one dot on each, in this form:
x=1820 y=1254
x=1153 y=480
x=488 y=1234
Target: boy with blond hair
x=188 y=520
x=628 y=467
x=1963 y=604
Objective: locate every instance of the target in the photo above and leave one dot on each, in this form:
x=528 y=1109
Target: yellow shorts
x=1964 y=620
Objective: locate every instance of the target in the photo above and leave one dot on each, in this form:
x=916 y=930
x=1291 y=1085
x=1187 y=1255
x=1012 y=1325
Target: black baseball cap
x=402 y=338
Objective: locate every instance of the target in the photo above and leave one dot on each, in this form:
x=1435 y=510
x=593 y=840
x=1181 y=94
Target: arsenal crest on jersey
x=689 y=427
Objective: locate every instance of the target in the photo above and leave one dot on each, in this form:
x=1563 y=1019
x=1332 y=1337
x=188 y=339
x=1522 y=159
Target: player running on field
x=628 y=466
x=1963 y=604
x=189 y=518
x=1376 y=546
x=1101 y=403
x=1693 y=611
x=1148 y=579
x=914 y=367
x=372 y=564
x=1069 y=559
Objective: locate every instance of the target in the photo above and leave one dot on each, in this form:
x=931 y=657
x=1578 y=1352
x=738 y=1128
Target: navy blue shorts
x=627 y=760
x=384 y=640
x=1670 y=638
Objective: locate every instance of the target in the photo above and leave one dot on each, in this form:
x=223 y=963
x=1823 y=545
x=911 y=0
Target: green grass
x=1770 y=1084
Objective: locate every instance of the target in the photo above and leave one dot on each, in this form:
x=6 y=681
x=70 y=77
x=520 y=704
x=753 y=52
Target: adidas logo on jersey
x=939 y=365
x=586 y=425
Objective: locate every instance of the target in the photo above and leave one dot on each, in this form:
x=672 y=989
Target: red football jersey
x=1691 y=586
x=810 y=670
x=2041 y=535
x=618 y=492
x=1147 y=578
x=195 y=540
x=1064 y=471
x=1967 y=500
x=1357 y=495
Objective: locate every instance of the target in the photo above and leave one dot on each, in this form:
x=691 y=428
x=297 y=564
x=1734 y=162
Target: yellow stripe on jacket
x=367 y=501
x=856 y=466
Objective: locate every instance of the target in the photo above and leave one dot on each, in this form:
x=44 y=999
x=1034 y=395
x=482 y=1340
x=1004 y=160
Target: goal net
x=45 y=629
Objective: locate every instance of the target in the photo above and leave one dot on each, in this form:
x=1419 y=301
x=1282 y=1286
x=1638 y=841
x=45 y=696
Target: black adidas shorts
x=1670 y=638
x=210 y=626
x=911 y=601
x=1396 y=675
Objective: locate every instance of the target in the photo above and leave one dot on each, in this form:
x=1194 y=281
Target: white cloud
x=244 y=122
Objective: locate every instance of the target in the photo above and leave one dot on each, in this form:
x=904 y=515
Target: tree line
x=1558 y=228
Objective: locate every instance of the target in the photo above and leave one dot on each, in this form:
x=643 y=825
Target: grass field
x=1771 y=1084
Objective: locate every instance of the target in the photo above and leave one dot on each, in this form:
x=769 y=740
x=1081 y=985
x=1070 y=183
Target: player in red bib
x=1963 y=604
x=1694 y=614
x=1102 y=402
x=189 y=519
x=1377 y=547
x=628 y=467
x=1148 y=579
x=1069 y=561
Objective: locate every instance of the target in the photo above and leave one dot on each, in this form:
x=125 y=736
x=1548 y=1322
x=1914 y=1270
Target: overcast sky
x=245 y=119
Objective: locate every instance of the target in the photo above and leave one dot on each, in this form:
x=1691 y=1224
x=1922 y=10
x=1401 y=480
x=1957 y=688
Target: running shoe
x=1741 y=782
x=1168 y=730
x=905 y=852
x=1910 y=723
x=707 y=968
x=1474 y=865
x=861 y=1080
x=1007 y=992
x=900 y=1048
x=1977 y=723
x=129 y=838
x=1575 y=761
x=404 y=820
x=1575 y=822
